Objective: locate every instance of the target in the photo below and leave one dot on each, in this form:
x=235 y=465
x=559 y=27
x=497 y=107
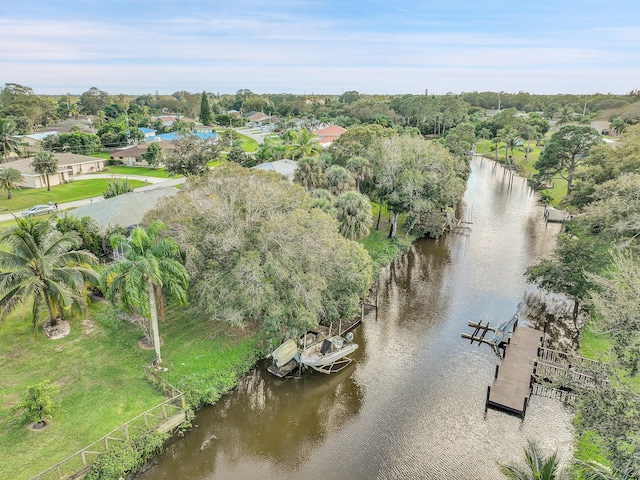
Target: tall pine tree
x=206 y=116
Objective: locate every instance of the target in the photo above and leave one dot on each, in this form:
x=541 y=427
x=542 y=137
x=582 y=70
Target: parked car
x=38 y=210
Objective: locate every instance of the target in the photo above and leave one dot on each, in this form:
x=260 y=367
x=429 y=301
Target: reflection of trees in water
x=414 y=282
x=282 y=420
x=556 y=312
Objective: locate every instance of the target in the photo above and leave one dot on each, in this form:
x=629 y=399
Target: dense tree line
x=596 y=264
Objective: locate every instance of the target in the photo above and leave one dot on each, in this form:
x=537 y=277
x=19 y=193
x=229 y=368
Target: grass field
x=99 y=370
x=142 y=171
x=68 y=192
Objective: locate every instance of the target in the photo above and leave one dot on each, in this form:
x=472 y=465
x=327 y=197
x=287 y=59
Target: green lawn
x=142 y=171
x=98 y=368
x=525 y=165
x=248 y=144
x=68 y=192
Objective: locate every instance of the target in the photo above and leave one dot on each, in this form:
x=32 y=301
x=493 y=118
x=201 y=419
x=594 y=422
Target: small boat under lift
x=326 y=355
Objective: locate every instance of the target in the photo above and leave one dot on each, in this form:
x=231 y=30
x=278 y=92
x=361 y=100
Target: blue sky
x=321 y=46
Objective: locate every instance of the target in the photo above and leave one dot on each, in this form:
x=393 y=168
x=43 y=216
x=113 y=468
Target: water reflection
x=412 y=405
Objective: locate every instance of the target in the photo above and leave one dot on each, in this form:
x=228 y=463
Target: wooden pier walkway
x=511 y=387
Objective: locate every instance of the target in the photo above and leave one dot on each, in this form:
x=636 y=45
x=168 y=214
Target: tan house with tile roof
x=132 y=156
x=69 y=164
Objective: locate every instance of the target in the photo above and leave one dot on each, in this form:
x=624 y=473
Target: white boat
x=330 y=355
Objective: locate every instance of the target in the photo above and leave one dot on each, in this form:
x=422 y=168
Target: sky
x=321 y=46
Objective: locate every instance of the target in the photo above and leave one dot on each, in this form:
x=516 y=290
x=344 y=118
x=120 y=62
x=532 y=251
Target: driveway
x=154 y=181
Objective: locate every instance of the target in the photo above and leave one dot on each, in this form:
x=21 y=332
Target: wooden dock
x=511 y=387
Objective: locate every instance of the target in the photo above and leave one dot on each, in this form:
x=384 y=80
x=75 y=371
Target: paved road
x=154 y=181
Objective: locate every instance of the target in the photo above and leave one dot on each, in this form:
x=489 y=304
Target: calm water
x=412 y=405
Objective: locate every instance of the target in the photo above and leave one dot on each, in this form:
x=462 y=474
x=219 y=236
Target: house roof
x=330 y=131
x=23 y=165
x=258 y=117
x=286 y=167
x=123 y=210
x=136 y=150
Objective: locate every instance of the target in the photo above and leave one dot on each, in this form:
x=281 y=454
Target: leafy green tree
x=80 y=143
x=149 y=271
x=88 y=230
x=206 y=115
x=566 y=151
x=616 y=307
x=39 y=402
x=259 y=254
x=539 y=466
x=614 y=211
x=303 y=143
x=237 y=155
x=565 y=271
x=45 y=163
x=153 y=154
x=353 y=211
x=612 y=411
x=356 y=141
x=113 y=111
x=9 y=144
x=606 y=163
x=113 y=135
x=191 y=156
x=93 y=100
x=461 y=139
x=10 y=179
x=419 y=177
x=44 y=266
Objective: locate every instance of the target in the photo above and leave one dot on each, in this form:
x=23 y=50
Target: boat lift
x=499 y=334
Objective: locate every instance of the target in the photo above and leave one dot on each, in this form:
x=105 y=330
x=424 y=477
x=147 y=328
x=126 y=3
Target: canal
x=412 y=404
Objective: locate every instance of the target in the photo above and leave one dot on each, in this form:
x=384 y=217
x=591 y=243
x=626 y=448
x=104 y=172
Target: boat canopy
x=285 y=353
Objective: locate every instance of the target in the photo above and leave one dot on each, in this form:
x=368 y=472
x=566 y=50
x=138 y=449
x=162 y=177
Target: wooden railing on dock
x=164 y=417
x=554 y=393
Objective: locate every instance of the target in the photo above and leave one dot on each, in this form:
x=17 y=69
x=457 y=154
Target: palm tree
x=496 y=140
x=9 y=144
x=565 y=115
x=44 y=265
x=528 y=133
x=271 y=150
x=512 y=142
x=10 y=179
x=484 y=134
x=45 y=163
x=361 y=170
x=539 y=466
x=338 y=180
x=618 y=125
x=353 y=211
x=149 y=268
x=303 y=144
x=309 y=173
